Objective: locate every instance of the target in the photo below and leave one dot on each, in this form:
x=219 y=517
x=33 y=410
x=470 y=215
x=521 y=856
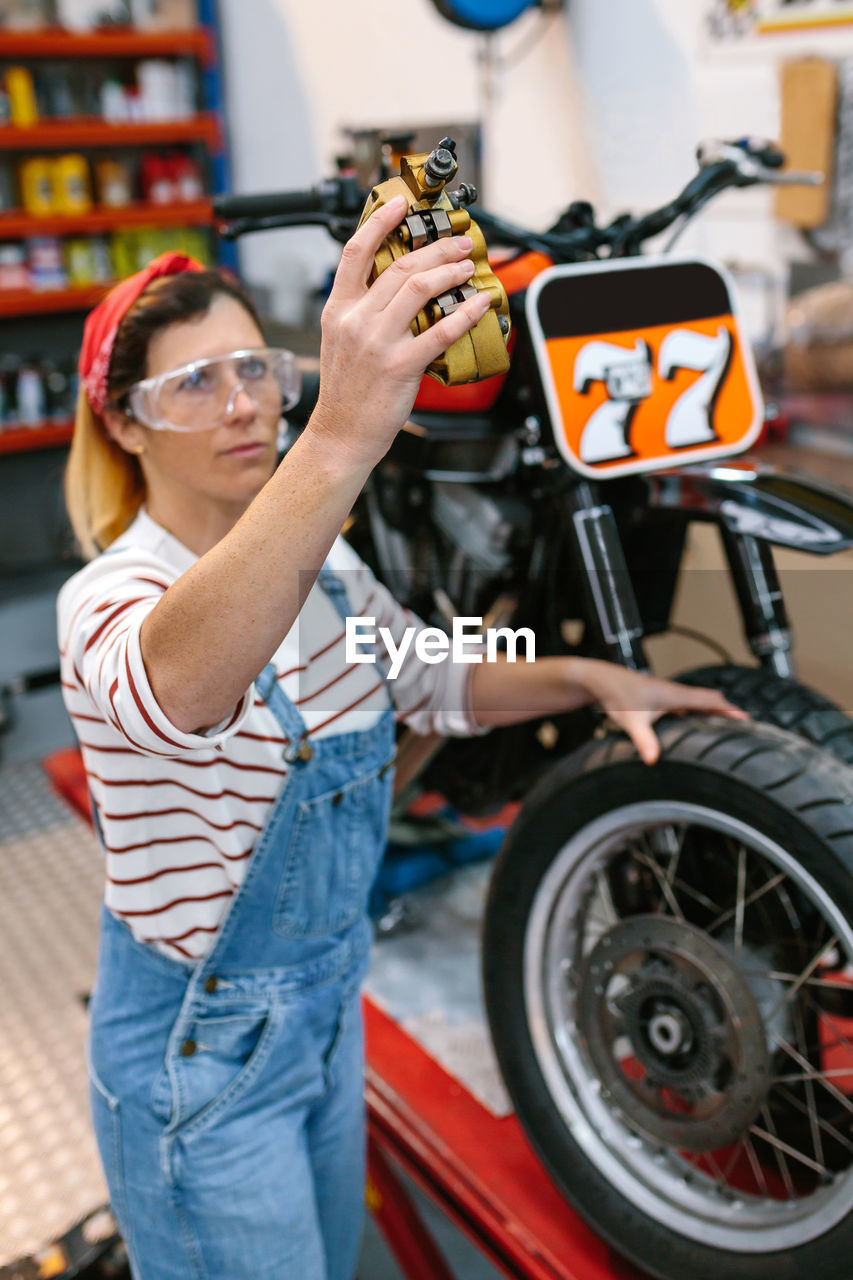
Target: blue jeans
x=244 y=1159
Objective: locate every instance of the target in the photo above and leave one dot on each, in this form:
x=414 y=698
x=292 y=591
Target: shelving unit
x=54 y=42
x=33 y=302
x=19 y=223
x=90 y=131
x=44 y=435
x=203 y=131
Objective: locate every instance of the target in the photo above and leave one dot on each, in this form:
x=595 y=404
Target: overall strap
x=96 y=821
x=265 y=682
x=335 y=590
x=268 y=688
x=286 y=714
x=337 y=594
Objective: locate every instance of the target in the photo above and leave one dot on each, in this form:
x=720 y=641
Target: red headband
x=99 y=332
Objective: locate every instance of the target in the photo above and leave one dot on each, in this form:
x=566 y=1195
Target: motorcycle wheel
x=662 y=952
x=786 y=703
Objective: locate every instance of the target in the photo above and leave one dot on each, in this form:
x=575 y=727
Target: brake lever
x=750 y=173
x=794 y=177
x=751 y=168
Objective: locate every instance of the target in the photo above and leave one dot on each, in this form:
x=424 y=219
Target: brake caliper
x=435 y=213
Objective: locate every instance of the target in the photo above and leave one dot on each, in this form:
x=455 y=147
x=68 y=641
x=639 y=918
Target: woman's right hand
x=371 y=363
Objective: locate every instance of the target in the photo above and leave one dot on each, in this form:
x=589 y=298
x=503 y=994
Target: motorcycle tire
x=662 y=948
x=786 y=703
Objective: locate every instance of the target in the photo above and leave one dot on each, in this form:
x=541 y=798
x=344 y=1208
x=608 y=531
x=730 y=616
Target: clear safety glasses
x=201 y=395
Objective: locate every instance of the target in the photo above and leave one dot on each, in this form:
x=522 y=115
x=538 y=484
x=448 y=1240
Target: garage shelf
x=92 y=131
x=54 y=42
x=31 y=302
x=45 y=435
x=204 y=132
x=19 y=224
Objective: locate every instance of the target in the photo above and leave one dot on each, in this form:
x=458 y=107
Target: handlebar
x=336 y=205
x=579 y=240
x=271 y=205
x=745 y=162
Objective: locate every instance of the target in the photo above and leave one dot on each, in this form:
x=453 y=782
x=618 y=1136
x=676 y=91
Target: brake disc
x=674 y=1032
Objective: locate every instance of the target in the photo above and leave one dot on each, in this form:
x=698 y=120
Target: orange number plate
x=644 y=364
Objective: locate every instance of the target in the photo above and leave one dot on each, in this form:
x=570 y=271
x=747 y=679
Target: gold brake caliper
x=433 y=214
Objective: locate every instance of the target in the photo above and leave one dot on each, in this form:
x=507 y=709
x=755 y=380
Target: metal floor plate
x=51 y=884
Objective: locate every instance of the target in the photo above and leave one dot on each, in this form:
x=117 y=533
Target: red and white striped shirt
x=180 y=812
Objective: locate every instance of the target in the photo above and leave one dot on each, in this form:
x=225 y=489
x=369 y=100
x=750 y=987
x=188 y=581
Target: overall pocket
x=336 y=843
x=106 y=1122
x=214 y=1062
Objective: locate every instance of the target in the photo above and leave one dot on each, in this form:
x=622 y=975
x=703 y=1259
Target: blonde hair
x=104 y=486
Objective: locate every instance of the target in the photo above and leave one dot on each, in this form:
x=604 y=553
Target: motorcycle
x=667 y=952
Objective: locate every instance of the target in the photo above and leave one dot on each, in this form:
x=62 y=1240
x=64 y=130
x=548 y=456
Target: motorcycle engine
x=480 y=527
x=447 y=534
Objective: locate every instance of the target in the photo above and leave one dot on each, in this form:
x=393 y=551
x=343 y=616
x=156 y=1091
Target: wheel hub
x=674 y=1032
x=673 y=1028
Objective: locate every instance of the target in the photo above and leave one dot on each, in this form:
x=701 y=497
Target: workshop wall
x=568 y=105
x=297 y=74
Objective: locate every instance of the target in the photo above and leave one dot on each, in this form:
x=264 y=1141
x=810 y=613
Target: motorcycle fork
x=610 y=598
x=759 y=593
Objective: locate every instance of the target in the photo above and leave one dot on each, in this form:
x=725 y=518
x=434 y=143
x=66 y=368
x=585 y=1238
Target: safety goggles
x=201 y=395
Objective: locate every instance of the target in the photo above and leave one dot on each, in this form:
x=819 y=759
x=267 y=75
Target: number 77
x=626 y=373
x=691 y=418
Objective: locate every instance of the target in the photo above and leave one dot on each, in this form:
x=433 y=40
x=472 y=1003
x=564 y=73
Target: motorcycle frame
x=755 y=507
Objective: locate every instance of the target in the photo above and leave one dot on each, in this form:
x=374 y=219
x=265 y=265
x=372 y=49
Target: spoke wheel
x=672 y=1032
x=666 y=954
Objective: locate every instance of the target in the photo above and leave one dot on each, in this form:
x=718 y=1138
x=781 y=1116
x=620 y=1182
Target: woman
x=240 y=770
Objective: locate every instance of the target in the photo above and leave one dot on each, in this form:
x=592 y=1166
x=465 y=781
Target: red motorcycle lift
x=478 y=1168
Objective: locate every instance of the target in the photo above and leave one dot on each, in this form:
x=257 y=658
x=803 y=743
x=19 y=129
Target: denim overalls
x=228 y=1097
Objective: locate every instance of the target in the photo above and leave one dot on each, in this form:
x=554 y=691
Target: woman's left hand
x=635 y=701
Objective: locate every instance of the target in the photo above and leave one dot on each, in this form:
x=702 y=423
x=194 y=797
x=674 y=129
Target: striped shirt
x=181 y=812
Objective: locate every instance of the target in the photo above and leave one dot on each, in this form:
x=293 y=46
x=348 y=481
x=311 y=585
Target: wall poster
x=736 y=19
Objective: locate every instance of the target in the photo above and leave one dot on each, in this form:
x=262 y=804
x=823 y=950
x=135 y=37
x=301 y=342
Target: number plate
x=644 y=364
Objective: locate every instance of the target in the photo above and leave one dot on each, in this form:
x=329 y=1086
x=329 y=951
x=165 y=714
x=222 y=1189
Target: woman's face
x=225 y=466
